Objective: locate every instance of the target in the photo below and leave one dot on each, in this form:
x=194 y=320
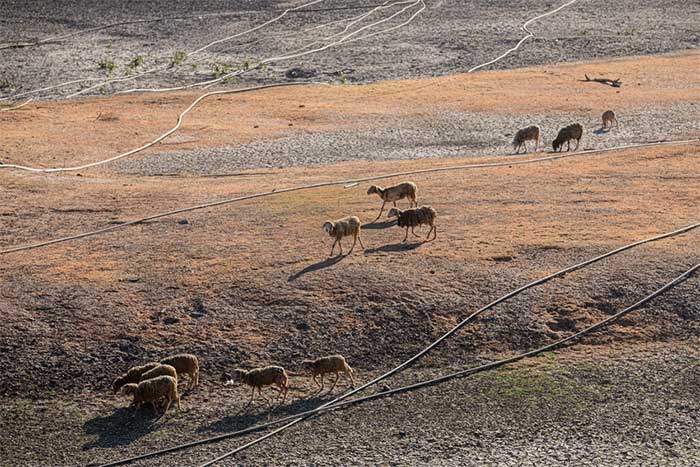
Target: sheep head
x=373 y=189
x=129 y=389
x=118 y=383
x=238 y=375
x=556 y=144
x=394 y=212
x=307 y=365
x=329 y=227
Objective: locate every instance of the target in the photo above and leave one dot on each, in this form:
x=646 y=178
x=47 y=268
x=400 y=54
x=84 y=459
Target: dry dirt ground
x=250 y=283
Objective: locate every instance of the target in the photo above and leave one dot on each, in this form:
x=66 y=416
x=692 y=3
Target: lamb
x=330 y=364
x=526 y=134
x=258 y=378
x=185 y=364
x=344 y=227
x=132 y=376
x=395 y=193
x=160 y=370
x=609 y=118
x=574 y=131
x=153 y=390
x=415 y=217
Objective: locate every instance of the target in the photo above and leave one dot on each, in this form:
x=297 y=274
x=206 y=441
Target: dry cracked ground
x=250 y=283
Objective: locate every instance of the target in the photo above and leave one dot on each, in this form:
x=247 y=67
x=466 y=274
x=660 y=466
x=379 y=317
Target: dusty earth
x=250 y=284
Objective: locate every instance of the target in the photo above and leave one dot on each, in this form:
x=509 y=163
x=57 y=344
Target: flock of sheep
x=156 y=382
x=565 y=135
x=409 y=218
x=425 y=215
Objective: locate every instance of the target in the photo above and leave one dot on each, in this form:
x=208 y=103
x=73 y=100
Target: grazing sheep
x=415 y=217
x=574 y=131
x=330 y=364
x=153 y=390
x=608 y=119
x=531 y=133
x=160 y=370
x=344 y=227
x=395 y=193
x=185 y=364
x=257 y=378
x=132 y=376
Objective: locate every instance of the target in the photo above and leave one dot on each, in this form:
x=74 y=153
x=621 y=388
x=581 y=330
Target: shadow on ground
x=394 y=247
x=121 y=427
x=326 y=263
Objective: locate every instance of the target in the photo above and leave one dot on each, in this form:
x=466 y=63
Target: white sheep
x=153 y=390
x=132 y=376
x=186 y=364
x=160 y=370
x=608 y=119
x=330 y=364
x=344 y=227
x=257 y=378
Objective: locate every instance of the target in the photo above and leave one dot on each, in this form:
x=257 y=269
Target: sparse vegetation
x=178 y=58
x=107 y=64
x=6 y=85
x=136 y=62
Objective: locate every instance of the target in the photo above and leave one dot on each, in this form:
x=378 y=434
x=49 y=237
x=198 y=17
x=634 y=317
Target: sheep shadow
x=326 y=263
x=122 y=427
x=266 y=412
x=394 y=247
x=601 y=131
x=374 y=225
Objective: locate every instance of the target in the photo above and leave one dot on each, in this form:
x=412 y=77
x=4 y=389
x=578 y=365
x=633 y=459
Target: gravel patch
x=448 y=134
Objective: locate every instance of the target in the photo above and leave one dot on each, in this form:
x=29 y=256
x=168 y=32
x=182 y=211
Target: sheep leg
x=337 y=376
x=316 y=381
x=537 y=144
x=349 y=373
x=381 y=210
x=167 y=406
x=252 y=396
x=414 y=234
x=354 y=242
x=321 y=384
x=333 y=247
x=359 y=237
x=340 y=245
x=577 y=142
x=404 y=239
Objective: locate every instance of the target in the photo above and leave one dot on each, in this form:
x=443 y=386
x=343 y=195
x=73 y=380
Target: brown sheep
x=414 y=217
x=330 y=364
x=153 y=390
x=344 y=227
x=574 y=131
x=395 y=193
x=160 y=370
x=531 y=133
x=258 y=378
x=186 y=364
x=132 y=376
x=608 y=119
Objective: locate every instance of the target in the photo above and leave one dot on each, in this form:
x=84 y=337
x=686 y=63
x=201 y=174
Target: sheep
x=257 y=378
x=344 y=227
x=330 y=364
x=415 y=217
x=152 y=390
x=395 y=193
x=132 y=376
x=574 y=131
x=185 y=364
x=609 y=118
x=160 y=370
x=526 y=134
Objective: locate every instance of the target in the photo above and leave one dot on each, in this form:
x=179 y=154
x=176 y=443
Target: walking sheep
x=330 y=364
x=395 y=193
x=153 y=390
x=160 y=370
x=415 y=217
x=608 y=119
x=258 y=378
x=132 y=376
x=526 y=134
x=186 y=364
x=344 y=227
x=574 y=131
